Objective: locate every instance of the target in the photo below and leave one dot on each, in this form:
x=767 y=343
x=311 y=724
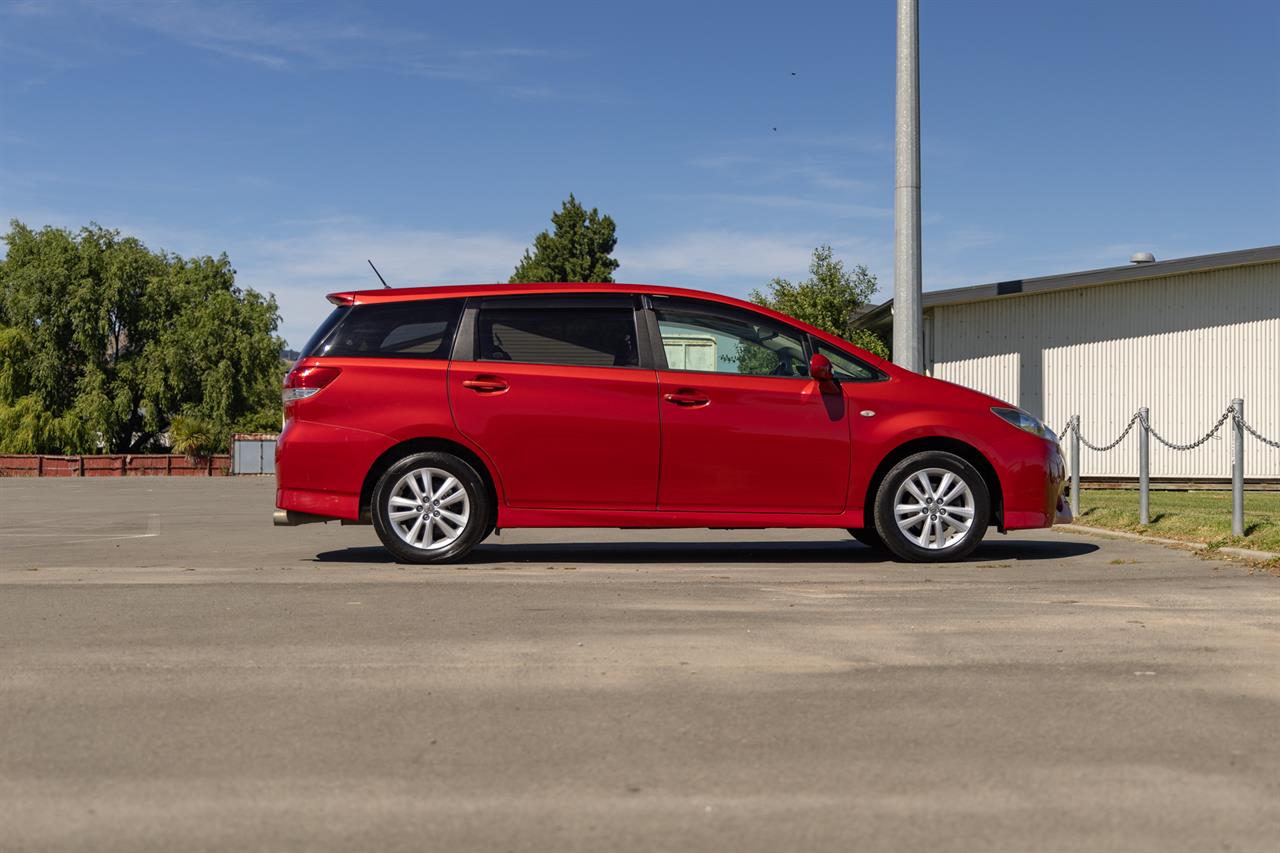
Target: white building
x=1183 y=337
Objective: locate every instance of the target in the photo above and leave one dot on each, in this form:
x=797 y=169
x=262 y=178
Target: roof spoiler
x=341 y=298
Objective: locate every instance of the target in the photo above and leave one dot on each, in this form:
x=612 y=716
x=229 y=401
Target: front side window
x=848 y=368
x=701 y=336
x=414 y=329
x=545 y=330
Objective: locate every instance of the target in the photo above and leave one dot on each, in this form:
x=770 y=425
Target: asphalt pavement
x=177 y=674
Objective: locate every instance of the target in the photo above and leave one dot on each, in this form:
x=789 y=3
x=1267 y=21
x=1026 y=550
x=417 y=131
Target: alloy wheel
x=934 y=508
x=428 y=508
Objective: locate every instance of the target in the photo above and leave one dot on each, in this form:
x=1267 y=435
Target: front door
x=744 y=428
x=551 y=389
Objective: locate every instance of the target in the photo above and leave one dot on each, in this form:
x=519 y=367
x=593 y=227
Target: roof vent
x=1142 y=258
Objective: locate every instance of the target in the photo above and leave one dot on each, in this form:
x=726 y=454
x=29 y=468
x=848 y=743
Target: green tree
x=104 y=342
x=829 y=299
x=578 y=250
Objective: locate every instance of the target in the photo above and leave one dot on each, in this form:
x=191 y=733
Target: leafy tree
x=104 y=342
x=829 y=299
x=579 y=250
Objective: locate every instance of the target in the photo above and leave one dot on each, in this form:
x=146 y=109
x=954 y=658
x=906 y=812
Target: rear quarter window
x=415 y=329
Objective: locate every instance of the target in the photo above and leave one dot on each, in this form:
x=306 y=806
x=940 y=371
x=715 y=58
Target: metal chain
x=1253 y=432
x=1229 y=413
x=1174 y=446
x=1133 y=420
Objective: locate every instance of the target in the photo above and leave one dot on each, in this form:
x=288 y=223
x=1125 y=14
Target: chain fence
x=1142 y=418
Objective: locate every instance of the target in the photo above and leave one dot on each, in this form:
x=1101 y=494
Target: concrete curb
x=1244 y=553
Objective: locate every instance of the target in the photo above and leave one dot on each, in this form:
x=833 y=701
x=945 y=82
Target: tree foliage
x=104 y=342
x=829 y=299
x=578 y=250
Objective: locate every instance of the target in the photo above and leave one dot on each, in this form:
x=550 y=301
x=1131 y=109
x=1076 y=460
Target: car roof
x=454 y=291
x=404 y=294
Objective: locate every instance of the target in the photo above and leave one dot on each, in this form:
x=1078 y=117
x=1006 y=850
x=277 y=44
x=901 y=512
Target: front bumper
x=1063 y=514
x=1033 y=488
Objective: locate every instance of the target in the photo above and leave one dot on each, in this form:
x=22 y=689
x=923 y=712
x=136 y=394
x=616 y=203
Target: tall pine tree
x=578 y=250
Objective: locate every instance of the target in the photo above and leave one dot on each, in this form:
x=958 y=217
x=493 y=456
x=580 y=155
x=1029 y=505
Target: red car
x=441 y=414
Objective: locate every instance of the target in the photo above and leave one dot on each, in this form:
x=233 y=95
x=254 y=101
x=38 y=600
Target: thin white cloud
x=320 y=256
x=777 y=168
x=245 y=32
x=304 y=39
x=741 y=260
x=792 y=202
x=331 y=255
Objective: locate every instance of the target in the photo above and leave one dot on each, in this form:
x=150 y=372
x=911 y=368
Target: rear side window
x=417 y=329
x=572 y=331
x=326 y=328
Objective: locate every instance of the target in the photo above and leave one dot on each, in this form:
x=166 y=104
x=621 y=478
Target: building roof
x=1088 y=278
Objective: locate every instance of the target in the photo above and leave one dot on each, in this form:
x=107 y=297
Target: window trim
x=730 y=312
x=466 y=344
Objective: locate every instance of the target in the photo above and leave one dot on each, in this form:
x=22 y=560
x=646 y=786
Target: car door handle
x=688 y=398
x=486 y=384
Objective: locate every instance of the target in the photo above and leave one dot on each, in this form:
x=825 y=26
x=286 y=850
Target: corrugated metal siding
x=1182 y=345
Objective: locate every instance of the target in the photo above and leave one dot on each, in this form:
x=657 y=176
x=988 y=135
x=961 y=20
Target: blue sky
x=436 y=138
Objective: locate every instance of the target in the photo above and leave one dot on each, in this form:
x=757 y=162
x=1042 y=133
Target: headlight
x=1024 y=421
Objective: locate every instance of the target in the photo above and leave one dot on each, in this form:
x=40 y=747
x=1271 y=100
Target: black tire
x=868 y=536
x=480 y=513
x=959 y=546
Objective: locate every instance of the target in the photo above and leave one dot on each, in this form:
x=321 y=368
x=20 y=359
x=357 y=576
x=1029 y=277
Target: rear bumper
x=320 y=470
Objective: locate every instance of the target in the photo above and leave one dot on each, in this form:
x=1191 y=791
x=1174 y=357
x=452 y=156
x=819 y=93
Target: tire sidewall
x=887 y=524
x=478 y=524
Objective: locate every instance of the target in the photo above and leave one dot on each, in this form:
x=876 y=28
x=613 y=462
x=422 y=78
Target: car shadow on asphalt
x=713 y=552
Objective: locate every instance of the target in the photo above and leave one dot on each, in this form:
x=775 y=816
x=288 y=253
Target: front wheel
x=430 y=508
x=932 y=507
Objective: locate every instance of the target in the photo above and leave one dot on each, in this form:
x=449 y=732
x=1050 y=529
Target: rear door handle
x=486 y=384
x=687 y=398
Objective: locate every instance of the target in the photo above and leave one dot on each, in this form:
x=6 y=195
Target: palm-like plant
x=193 y=437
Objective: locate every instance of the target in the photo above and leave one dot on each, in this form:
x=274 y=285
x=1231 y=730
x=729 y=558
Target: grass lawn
x=1193 y=516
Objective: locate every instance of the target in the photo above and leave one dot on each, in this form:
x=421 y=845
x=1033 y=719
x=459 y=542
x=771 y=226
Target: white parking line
x=80 y=541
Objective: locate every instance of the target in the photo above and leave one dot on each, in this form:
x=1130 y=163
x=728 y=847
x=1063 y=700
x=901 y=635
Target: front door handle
x=688 y=398
x=486 y=384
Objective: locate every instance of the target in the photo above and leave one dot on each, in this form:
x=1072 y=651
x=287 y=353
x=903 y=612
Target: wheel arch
x=424 y=444
x=965 y=451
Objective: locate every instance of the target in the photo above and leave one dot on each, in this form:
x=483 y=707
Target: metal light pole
x=907 y=350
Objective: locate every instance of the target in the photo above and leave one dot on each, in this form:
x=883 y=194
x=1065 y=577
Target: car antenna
x=379 y=275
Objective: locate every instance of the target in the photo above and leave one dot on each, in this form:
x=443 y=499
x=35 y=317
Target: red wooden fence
x=121 y=465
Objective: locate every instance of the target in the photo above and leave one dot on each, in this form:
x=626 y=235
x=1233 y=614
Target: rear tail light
x=302 y=382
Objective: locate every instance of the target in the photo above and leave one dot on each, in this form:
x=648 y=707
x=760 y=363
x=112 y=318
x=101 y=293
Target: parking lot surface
x=176 y=674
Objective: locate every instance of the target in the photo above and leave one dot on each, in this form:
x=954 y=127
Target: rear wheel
x=430 y=508
x=932 y=507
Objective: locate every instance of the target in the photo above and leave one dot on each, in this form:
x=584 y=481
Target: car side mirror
x=820 y=368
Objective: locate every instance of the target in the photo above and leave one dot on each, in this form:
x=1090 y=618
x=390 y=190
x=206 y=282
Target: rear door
x=744 y=428
x=553 y=390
